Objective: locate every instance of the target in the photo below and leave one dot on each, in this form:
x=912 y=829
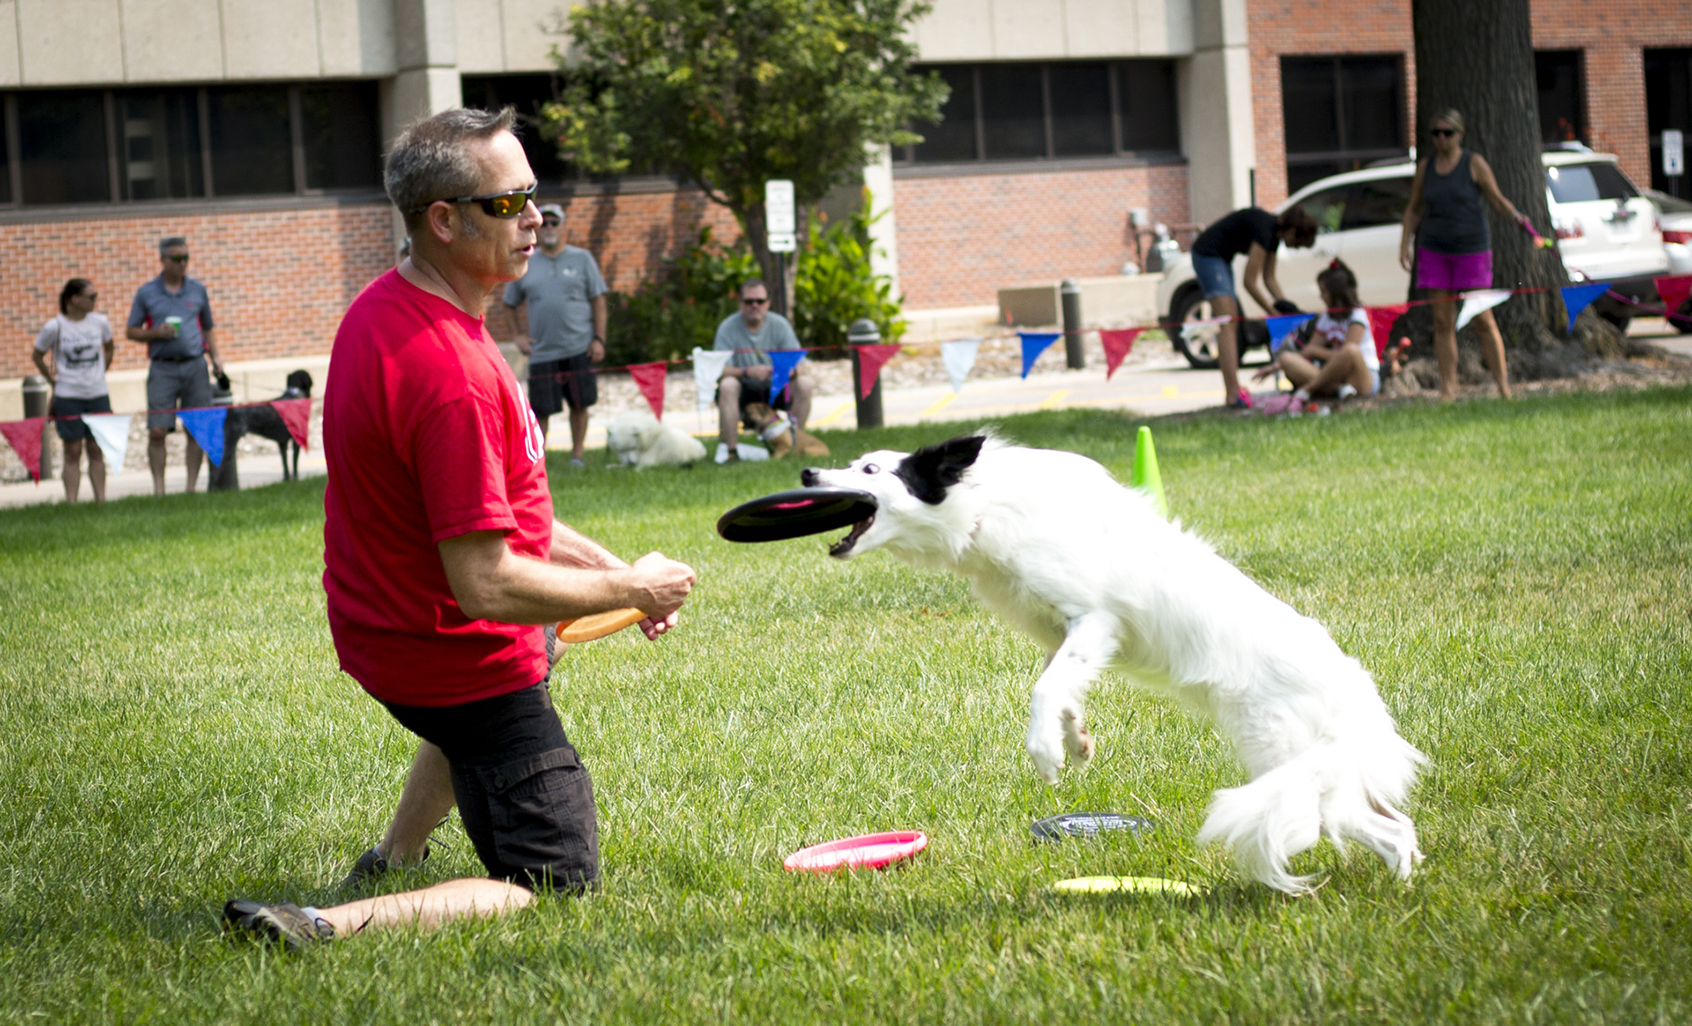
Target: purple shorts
x=1453 y=272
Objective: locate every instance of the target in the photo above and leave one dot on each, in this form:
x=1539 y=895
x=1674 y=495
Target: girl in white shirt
x=79 y=342
x=1340 y=359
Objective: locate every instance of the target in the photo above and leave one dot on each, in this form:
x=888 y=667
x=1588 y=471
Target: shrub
x=837 y=286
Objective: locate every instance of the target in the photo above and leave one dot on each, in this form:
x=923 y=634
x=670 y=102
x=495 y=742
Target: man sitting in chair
x=750 y=335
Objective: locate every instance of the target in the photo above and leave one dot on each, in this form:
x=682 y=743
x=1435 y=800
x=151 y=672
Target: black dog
x=264 y=421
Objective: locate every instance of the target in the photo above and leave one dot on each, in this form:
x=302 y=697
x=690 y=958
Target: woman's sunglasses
x=1442 y=132
x=500 y=204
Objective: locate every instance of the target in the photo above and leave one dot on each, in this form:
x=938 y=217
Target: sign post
x=1674 y=158
x=782 y=224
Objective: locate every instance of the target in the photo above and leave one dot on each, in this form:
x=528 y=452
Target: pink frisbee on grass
x=869 y=851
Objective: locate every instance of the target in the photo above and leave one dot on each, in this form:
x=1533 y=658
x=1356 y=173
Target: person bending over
x=1340 y=358
x=1257 y=234
x=441 y=553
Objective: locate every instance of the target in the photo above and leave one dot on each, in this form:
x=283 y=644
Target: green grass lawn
x=175 y=732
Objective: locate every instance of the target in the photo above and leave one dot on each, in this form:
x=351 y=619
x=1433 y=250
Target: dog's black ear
x=931 y=470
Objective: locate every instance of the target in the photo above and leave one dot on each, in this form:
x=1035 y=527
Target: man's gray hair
x=431 y=159
x=174 y=240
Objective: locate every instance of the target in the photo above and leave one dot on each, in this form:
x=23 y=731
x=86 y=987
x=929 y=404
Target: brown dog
x=779 y=433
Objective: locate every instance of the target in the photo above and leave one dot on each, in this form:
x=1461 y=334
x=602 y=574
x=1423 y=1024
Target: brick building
x=255 y=128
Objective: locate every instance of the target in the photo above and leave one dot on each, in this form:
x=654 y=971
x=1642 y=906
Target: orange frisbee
x=597 y=625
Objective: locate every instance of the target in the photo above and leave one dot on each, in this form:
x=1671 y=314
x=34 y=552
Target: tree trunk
x=777 y=269
x=1478 y=59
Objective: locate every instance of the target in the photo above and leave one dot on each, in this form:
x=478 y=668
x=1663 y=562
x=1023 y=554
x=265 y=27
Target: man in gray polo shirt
x=750 y=335
x=172 y=314
x=565 y=297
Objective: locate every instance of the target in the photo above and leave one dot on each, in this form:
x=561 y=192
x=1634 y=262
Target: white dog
x=640 y=440
x=1089 y=570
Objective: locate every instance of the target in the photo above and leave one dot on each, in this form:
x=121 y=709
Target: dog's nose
x=808 y=477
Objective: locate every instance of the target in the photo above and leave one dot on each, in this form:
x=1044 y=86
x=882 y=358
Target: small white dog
x=640 y=440
x=1092 y=573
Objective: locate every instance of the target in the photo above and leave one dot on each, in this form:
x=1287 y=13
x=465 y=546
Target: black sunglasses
x=500 y=204
x=753 y=302
x=178 y=259
x=1442 y=131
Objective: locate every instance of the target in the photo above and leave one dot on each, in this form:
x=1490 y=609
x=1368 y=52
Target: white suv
x=1606 y=231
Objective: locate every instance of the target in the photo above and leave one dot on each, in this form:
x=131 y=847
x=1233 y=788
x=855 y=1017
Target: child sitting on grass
x=1339 y=359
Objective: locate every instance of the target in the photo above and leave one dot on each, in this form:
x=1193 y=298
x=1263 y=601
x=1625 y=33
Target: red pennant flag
x=296 y=414
x=25 y=436
x=649 y=378
x=870 y=361
x=1673 y=292
x=1380 y=323
x=1117 y=344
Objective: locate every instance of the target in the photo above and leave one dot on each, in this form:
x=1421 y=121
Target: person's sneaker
x=281 y=923
x=577 y=463
x=1346 y=391
x=1241 y=401
x=371 y=865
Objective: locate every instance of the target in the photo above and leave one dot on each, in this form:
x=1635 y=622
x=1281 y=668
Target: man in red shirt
x=441 y=553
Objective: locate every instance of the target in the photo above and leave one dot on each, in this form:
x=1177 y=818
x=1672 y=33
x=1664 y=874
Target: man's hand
x=758 y=372
x=525 y=344
x=665 y=583
x=596 y=351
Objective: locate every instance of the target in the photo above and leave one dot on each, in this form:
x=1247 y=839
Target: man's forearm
x=599 y=317
x=209 y=337
x=572 y=548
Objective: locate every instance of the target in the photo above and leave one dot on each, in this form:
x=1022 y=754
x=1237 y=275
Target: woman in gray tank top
x=1454 y=245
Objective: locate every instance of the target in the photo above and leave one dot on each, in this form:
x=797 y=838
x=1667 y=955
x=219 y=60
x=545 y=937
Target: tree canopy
x=728 y=94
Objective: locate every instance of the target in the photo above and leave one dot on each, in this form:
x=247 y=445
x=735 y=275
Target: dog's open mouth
x=840 y=548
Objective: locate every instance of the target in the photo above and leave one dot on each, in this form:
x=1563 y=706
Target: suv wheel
x=1201 y=346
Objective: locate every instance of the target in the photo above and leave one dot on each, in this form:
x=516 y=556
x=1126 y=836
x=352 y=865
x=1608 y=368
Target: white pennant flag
x=1475 y=302
x=1191 y=329
x=708 y=367
x=960 y=359
x=111 y=431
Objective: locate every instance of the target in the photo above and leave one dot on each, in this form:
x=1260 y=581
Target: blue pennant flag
x=1281 y=327
x=1033 y=344
x=1578 y=297
x=784 y=361
x=206 y=427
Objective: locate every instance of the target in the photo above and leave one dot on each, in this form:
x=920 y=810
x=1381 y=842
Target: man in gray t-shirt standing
x=172 y=314
x=565 y=299
x=750 y=335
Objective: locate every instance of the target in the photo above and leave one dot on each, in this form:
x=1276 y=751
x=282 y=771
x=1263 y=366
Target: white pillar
x=426 y=80
x=884 y=234
x=1216 y=114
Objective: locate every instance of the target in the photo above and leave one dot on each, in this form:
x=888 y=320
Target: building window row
x=1043 y=111
x=123 y=145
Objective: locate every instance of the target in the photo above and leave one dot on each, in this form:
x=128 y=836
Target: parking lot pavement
x=133 y=481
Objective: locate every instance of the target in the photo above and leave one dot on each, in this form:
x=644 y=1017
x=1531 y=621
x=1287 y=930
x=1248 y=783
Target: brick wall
x=1611 y=32
x=962 y=237
x=279 y=279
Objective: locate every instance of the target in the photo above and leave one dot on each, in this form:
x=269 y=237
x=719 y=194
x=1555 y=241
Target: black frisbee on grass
x=796 y=513
x=1088 y=824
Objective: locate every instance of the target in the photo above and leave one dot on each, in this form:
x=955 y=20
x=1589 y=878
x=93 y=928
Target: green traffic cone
x=1146 y=478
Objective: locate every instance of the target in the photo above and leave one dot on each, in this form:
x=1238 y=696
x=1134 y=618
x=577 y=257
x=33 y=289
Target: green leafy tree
x=836 y=284
x=729 y=94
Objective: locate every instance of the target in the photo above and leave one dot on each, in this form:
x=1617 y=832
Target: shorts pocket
x=545 y=827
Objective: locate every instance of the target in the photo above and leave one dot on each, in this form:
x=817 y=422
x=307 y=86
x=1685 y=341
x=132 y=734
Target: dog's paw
x=1047 y=753
x=1081 y=747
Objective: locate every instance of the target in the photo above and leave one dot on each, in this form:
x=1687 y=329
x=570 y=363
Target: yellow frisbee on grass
x=1127 y=885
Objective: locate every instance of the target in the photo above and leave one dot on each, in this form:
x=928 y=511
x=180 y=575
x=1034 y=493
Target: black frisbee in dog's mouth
x=797 y=513
x=841 y=548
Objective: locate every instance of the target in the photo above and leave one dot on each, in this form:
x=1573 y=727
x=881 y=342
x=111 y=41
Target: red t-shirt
x=427 y=437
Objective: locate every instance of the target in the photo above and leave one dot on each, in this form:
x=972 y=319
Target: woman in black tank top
x=1445 y=219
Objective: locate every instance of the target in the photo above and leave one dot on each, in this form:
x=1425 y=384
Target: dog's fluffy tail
x=1345 y=789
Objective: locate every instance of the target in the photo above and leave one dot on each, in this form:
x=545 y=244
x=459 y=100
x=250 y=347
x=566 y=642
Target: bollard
x=864 y=333
x=36 y=393
x=225 y=476
x=1071 y=295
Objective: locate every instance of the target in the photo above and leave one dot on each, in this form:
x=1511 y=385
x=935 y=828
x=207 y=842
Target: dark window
x=1562 y=109
x=1018 y=111
x=1375 y=203
x=1081 y=118
x=341 y=136
x=1339 y=114
x=1582 y=183
x=527 y=93
x=62 y=146
x=1668 y=104
x=159 y=144
x=6 y=152
x=252 y=146
x=1146 y=92
x=1013 y=111
x=953 y=138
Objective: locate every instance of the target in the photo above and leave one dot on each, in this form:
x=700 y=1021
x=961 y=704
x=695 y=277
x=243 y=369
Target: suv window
x=1377 y=202
x=1582 y=183
x=1327 y=207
